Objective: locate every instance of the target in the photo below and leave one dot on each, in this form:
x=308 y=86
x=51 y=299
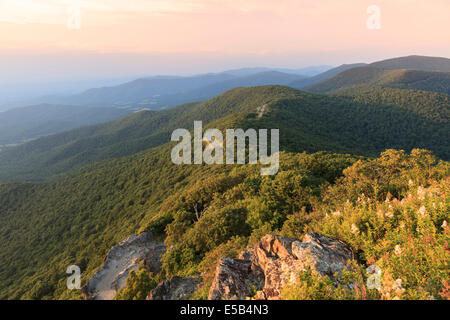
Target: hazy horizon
x=54 y=40
x=67 y=46
x=68 y=78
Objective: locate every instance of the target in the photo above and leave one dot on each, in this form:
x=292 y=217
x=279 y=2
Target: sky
x=52 y=40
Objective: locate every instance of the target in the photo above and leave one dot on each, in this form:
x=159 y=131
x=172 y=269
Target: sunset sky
x=130 y=37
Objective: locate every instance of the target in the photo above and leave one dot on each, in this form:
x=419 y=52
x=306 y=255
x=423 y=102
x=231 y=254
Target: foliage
x=348 y=285
x=398 y=224
x=99 y=184
x=75 y=219
x=308 y=122
x=434 y=81
x=45 y=227
x=430 y=105
x=207 y=212
x=139 y=284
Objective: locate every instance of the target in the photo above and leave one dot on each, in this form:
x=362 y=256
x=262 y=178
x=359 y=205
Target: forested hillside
x=75 y=220
x=415 y=62
x=431 y=105
x=310 y=123
x=435 y=81
x=26 y=123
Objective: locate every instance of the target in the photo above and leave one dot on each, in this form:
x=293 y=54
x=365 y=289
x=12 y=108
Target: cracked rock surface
x=119 y=261
x=274 y=262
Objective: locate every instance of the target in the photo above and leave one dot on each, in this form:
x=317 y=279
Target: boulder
x=275 y=262
x=323 y=254
x=235 y=279
x=152 y=260
x=177 y=288
x=119 y=262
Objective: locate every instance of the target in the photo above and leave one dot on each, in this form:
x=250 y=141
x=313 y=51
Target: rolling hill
x=437 y=81
x=258 y=79
x=344 y=75
x=166 y=91
x=308 y=122
x=431 y=105
x=22 y=124
x=303 y=83
x=141 y=90
x=415 y=62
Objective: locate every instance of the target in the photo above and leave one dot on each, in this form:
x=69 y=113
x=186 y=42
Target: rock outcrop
x=274 y=262
x=177 y=288
x=236 y=279
x=120 y=260
x=152 y=260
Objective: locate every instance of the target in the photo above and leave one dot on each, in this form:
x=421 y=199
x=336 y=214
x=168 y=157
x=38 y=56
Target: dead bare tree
x=198 y=214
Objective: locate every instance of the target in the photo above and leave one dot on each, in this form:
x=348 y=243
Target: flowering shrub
x=406 y=236
x=139 y=284
x=348 y=285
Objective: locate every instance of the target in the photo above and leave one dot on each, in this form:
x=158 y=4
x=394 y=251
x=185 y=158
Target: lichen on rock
x=275 y=262
x=119 y=262
x=177 y=288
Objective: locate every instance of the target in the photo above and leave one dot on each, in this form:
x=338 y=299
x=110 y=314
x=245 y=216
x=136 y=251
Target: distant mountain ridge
x=143 y=90
x=258 y=79
x=303 y=83
x=415 y=62
x=307 y=71
x=164 y=92
x=161 y=92
x=422 y=63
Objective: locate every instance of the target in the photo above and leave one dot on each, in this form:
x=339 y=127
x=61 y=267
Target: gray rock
x=119 y=262
x=275 y=262
x=325 y=255
x=177 y=288
x=236 y=279
x=152 y=261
